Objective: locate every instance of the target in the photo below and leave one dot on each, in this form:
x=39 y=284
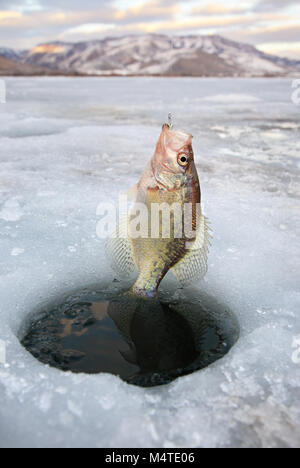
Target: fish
x=169 y=195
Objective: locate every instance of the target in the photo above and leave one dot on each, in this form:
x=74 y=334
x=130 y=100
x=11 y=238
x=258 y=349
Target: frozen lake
x=67 y=144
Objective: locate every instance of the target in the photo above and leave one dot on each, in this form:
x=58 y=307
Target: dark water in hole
x=144 y=341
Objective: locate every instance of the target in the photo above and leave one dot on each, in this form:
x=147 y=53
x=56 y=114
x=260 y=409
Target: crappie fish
x=169 y=185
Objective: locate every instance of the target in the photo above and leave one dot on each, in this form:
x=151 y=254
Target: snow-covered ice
x=66 y=145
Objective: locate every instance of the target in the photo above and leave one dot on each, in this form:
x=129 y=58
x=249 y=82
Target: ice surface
x=68 y=144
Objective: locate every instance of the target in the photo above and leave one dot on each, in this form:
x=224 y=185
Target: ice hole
x=147 y=342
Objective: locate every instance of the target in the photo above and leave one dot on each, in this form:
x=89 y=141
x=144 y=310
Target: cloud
x=22 y=6
x=198 y=22
x=271 y=5
x=26 y=23
x=284 y=49
x=8 y=16
x=52 y=5
x=89 y=28
x=212 y=22
x=257 y=35
x=288 y=34
x=56 y=19
x=148 y=11
x=219 y=9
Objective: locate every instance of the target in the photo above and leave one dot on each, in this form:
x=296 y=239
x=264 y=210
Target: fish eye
x=182 y=160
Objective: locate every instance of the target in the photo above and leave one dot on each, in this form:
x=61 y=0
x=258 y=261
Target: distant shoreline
x=291 y=76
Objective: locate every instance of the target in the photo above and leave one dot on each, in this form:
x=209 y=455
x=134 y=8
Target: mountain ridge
x=154 y=55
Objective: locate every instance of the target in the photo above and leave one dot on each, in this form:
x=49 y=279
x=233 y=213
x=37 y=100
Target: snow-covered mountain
x=153 y=54
x=10 y=53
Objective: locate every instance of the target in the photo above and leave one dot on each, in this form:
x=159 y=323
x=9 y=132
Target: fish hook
x=170 y=120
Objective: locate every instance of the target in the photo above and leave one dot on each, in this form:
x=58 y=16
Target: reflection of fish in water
x=166 y=341
x=158 y=338
x=170 y=178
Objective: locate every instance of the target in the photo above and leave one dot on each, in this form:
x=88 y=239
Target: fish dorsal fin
x=193 y=266
x=119 y=250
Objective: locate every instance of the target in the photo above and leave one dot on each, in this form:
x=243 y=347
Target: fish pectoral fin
x=119 y=250
x=193 y=266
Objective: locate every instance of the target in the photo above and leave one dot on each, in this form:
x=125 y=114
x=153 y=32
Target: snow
x=11 y=211
x=66 y=145
x=16 y=252
x=231 y=98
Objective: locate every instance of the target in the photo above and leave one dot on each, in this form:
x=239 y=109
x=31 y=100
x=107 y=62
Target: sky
x=271 y=25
